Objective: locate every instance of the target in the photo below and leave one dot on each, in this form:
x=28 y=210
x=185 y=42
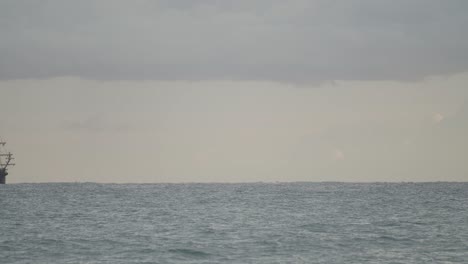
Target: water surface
x=234 y=223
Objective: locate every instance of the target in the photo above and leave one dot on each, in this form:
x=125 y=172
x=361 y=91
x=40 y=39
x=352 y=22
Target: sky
x=235 y=91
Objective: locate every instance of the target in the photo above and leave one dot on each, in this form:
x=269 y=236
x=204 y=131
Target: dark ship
x=5 y=162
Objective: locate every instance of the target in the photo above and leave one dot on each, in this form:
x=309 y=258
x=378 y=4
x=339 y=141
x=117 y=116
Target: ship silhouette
x=5 y=162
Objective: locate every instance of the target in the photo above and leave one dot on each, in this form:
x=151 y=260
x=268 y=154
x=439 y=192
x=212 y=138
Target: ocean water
x=234 y=223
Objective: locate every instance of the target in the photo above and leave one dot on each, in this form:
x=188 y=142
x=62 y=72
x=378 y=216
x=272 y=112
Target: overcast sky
x=235 y=91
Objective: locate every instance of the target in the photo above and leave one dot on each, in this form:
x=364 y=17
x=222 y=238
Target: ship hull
x=3 y=175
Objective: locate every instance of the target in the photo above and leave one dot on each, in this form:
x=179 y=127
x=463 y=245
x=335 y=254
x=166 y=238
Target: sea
x=234 y=223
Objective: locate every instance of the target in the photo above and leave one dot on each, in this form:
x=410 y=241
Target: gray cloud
x=291 y=41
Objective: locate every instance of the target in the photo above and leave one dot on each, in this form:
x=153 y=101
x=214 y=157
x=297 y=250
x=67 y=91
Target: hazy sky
x=235 y=91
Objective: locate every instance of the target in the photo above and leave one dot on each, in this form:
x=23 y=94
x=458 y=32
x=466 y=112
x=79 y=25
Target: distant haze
x=235 y=91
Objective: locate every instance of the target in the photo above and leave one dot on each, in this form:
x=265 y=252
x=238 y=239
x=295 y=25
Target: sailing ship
x=5 y=161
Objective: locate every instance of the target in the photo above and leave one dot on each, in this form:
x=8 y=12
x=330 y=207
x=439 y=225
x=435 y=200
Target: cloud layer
x=288 y=41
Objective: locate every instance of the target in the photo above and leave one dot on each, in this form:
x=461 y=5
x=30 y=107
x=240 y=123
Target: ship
x=6 y=159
